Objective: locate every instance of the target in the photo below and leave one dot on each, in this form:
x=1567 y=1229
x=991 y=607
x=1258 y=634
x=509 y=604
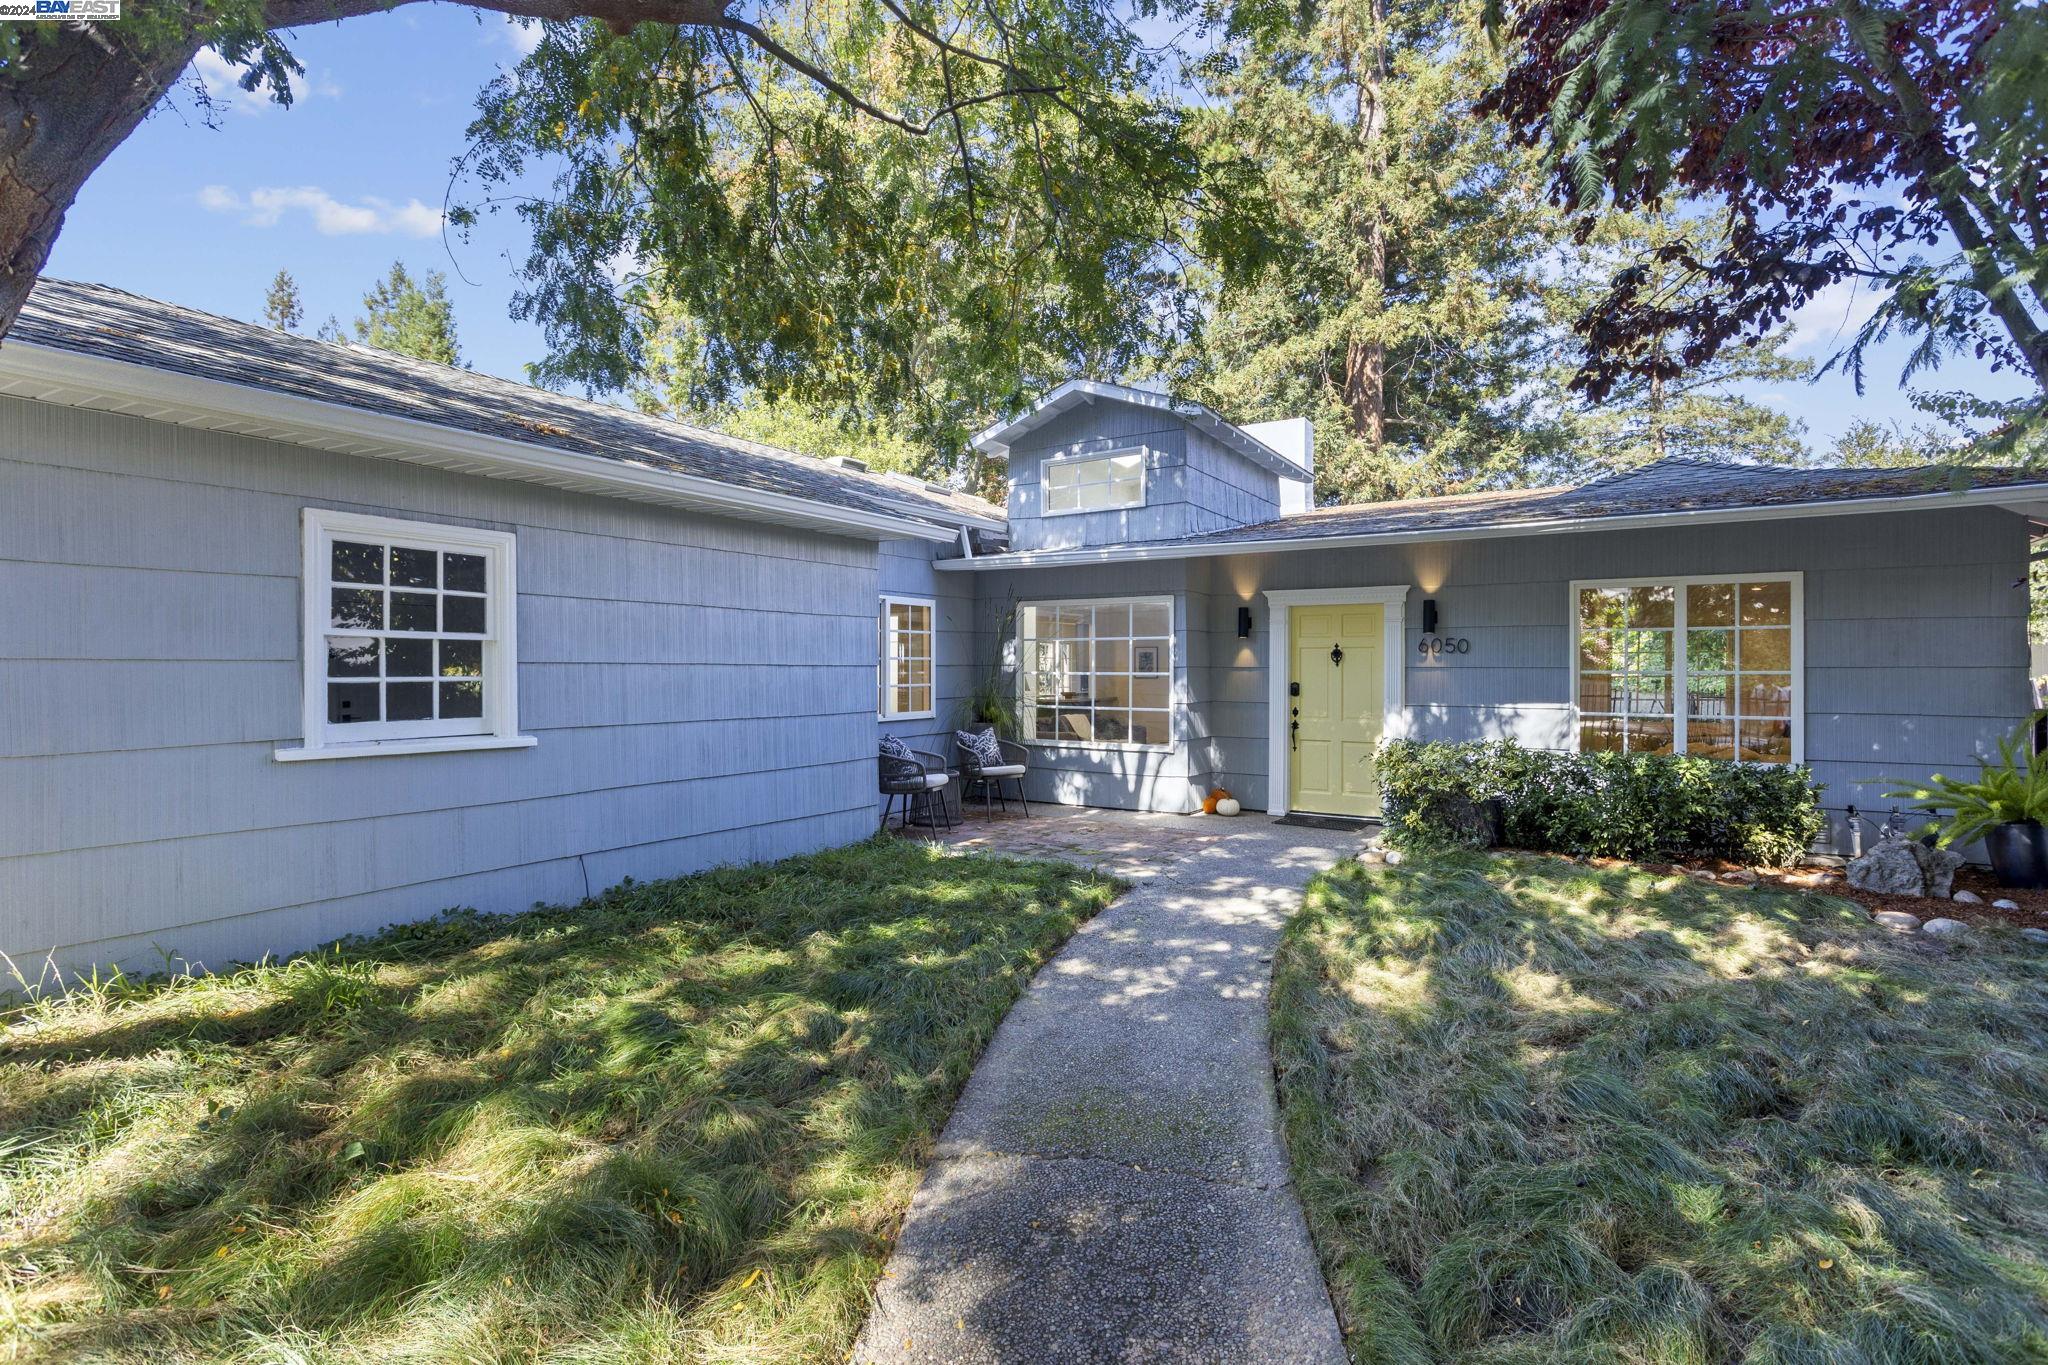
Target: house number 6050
x=1437 y=644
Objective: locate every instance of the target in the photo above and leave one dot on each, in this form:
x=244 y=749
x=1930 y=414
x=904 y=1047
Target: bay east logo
x=92 y=11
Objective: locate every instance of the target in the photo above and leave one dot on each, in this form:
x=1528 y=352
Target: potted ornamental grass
x=2004 y=807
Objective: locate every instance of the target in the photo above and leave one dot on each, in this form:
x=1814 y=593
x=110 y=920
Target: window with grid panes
x=1699 y=666
x=403 y=637
x=1097 y=672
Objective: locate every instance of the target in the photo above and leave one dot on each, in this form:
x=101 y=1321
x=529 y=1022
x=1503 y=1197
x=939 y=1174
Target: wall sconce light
x=1244 y=623
x=1429 y=616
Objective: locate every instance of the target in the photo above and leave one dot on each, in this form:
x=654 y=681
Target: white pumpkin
x=1228 y=806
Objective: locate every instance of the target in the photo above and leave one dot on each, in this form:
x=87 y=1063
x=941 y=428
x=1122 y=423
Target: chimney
x=1295 y=438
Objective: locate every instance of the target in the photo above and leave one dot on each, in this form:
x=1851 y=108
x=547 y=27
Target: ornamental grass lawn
x=681 y=1121
x=1545 y=1112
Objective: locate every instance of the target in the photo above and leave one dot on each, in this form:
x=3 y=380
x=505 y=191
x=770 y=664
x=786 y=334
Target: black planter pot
x=2019 y=853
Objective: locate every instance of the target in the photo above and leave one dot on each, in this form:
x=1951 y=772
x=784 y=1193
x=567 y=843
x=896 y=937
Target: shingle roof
x=113 y=324
x=1673 y=485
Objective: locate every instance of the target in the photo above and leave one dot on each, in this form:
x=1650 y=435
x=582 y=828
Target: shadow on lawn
x=1547 y=1110
x=502 y=1133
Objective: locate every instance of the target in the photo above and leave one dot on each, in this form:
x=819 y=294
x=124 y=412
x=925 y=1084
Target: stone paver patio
x=1112 y=1185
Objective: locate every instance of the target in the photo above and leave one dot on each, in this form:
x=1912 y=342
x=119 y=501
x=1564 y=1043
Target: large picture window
x=408 y=635
x=1691 y=665
x=1096 y=484
x=1097 y=672
x=906 y=654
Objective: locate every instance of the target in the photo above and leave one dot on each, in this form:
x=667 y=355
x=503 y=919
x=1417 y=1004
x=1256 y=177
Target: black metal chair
x=991 y=776
x=918 y=778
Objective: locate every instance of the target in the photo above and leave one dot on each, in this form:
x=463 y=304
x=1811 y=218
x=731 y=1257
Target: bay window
x=1097 y=672
x=1707 y=666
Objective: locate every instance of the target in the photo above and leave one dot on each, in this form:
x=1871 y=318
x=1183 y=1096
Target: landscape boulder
x=2036 y=936
x=1906 y=867
x=1897 y=920
x=1944 y=928
x=1967 y=898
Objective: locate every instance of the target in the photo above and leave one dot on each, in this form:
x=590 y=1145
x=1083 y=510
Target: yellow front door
x=1337 y=708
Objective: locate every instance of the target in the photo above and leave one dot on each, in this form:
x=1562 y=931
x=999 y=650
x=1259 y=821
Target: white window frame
x=1104 y=457
x=1679 y=583
x=885 y=681
x=1175 y=705
x=498 y=728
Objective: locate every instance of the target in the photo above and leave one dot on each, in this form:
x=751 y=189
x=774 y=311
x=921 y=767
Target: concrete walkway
x=1112 y=1185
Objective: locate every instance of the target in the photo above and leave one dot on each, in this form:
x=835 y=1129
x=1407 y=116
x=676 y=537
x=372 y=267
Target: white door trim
x=1279 y=663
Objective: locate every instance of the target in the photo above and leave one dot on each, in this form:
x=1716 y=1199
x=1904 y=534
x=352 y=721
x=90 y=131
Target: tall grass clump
x=1544 y=1112
x=680 y=1121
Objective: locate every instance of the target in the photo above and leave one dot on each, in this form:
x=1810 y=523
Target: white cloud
x=1832 y=317
x=522 y=35
x=221 y=79
x=266 y=207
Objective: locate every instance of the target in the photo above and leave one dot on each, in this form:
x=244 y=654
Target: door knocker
x=1337 y=655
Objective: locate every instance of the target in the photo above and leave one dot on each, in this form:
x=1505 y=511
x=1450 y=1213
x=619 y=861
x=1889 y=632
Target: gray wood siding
x=702 y=689
x=1916 y=653
x=906 y=570
x=1192 y=483
x=1123 y=778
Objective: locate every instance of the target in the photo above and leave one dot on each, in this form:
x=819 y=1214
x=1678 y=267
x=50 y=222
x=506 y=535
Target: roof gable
x=998 y=440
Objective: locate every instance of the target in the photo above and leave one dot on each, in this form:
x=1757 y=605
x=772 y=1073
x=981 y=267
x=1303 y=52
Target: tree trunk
x=1365 y=359
x=76 y=95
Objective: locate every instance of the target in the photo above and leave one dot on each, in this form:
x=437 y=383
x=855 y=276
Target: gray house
x=298 y=639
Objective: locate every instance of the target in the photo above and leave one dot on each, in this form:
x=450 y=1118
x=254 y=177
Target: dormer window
x=1095 y=483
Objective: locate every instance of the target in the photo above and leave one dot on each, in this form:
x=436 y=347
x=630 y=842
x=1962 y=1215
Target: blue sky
x=355 y=173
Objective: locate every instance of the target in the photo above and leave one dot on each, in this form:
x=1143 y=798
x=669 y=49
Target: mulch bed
x=2032 y=912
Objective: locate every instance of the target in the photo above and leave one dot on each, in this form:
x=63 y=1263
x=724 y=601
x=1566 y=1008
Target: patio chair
x=977 y=770
x=916 y=776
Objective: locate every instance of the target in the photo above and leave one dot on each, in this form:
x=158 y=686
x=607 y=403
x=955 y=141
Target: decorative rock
x=1944 y=928
x=1745 y=875
x=1906 y=867
x=2003 y=904
x=1898 y=920
x=1700 y=874
x=1967 y=898
x=1392 y=857
x=2039 y=936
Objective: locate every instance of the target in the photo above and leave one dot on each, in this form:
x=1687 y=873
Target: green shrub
x=1615 y=805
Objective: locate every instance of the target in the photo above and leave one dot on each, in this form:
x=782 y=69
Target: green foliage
x=1410 y=235
x=410 y=317
x=1613 y=805
x=955 y=226
x=281 y=306
x=672 y=383
x=2011 y=790
x=679 y=1121
x=1546 y=1112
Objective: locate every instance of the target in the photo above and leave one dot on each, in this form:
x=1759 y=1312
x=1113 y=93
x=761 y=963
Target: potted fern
x=2004 y=807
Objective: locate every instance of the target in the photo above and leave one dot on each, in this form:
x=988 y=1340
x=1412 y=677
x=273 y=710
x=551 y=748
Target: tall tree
x=1403 y=307
x=1842 y=136
x=282 y=308
x=410 y=317
x=1054 y=84
x=1699 y=412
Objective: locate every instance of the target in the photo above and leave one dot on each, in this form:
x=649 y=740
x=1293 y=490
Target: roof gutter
x=73 y=379
x=1711 y=516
